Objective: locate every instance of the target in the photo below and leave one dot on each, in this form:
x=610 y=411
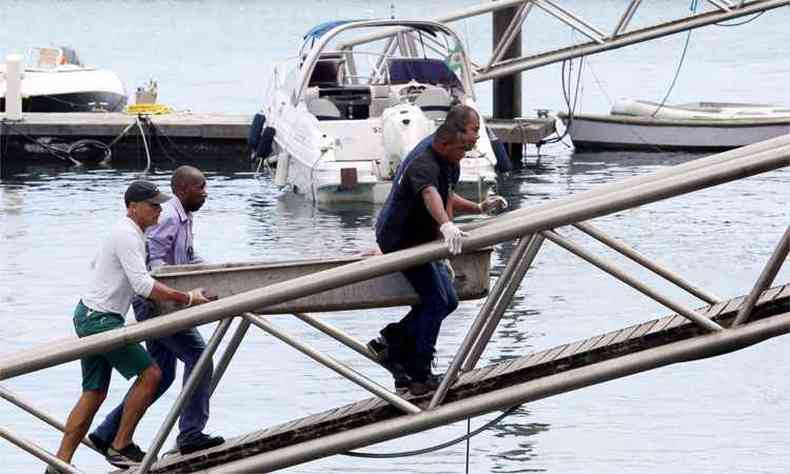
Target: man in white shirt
x=117 y=274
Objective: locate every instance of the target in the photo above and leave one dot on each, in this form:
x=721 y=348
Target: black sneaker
x=100 y=444
x=52 y=470
x=425 y=385
x=204 y=441
x=381 y=351
x=131 y=455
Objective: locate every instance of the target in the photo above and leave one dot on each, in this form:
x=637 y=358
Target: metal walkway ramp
x=575 y=361
x=466 y=391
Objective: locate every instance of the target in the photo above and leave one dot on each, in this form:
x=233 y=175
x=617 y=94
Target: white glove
x=453 y=236
x=493 y=203
x=446 y=263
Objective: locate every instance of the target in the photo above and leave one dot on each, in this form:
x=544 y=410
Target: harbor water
x=727 y=414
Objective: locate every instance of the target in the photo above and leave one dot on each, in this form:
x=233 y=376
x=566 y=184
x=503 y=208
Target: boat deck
x=529 y=369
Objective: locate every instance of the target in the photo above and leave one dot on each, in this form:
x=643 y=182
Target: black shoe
x=52 y=470
x=383 y=353
x=425 y=385
x=203 y=442
x=131 y=455
x=100 y=444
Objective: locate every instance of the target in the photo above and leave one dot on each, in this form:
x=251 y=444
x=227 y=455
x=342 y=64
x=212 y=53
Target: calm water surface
x=728 y=414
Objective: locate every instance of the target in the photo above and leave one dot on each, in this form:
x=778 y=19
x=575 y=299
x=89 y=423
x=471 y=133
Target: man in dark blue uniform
x=417 y=211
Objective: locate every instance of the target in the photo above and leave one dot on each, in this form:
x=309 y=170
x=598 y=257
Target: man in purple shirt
x=170 y=243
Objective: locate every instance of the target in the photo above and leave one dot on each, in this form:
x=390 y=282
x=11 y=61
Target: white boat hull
x=69 y=89
x=595 y=132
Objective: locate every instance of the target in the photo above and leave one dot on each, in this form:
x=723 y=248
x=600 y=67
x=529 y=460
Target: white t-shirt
x=118 y=272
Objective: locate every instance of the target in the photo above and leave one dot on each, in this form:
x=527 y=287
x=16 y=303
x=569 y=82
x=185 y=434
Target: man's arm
x=133 y=263
x=433 y=202
x=460 y=204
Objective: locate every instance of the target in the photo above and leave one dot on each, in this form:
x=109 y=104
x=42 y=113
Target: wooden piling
x=507 y=90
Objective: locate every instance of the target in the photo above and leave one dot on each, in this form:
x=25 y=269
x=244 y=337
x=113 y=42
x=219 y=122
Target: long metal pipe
x=690 y=314
x=638 y=181
x=629 y=252
x=572 y=20
x=626 y=18
x=230 y=351
x=337 y=335
x=765 y=279
x=195 y=377
x=514 y=66
x=37 y=451
x=17 y=400
x=706 y=345
x=572 y=212
x=481 y=343
x=479 y=323
x=333 y=364
x=512 y=30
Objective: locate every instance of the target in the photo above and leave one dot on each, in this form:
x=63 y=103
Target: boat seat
x=381 y=99
x=326 y=73
x=435 y=102
x=324 y=109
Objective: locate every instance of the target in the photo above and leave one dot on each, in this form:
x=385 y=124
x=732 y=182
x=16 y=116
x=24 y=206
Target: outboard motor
x=403 y=127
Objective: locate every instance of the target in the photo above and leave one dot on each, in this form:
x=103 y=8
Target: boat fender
x=503 y=163
x=265 y=142
x=256 y=128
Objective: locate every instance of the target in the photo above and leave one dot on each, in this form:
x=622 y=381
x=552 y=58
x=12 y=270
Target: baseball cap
x=140 y=191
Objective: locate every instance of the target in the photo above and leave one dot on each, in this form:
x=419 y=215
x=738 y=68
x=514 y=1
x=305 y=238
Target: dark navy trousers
x=437 y=300
x=185 y=346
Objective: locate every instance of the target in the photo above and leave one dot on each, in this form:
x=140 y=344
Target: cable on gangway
x=446 y=444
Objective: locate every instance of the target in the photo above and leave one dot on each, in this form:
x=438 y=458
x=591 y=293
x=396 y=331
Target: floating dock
x=198 y=138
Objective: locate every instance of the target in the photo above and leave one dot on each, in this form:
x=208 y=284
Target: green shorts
x=129 y=360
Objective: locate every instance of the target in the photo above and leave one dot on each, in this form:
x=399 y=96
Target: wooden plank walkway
x=551 y=361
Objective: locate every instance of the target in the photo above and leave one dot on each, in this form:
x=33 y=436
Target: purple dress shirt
x=170 y=240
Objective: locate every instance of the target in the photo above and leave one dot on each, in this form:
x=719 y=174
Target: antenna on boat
x=392 y=10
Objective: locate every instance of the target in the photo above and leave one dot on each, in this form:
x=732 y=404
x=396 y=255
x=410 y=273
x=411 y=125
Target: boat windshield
x=387 y=55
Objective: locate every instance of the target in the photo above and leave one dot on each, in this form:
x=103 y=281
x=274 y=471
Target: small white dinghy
x=700 y=126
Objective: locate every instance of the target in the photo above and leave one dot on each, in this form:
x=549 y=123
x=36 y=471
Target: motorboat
x=698 y=126
x=55 y=80
x=359 y=96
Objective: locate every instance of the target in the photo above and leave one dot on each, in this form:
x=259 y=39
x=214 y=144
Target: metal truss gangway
x=498 y=64
x=718 y=326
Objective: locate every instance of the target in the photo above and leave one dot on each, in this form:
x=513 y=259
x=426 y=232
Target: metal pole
x=230 y=351
x=15 y=399
x=568 y=212
x=572 y=20
x=37 y=451
x=337 y=335
x=633 y=283
x=626 y=39
x=766 y=278
x=705 y=345
x=331 y=363
x=626 y=18
x=479 y=322
x=513 y=29
x=627 y=251
x=493 y=322
x=507 y=90
x=639 y=181
x=186 y=392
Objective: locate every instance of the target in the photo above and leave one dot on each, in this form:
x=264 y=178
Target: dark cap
x=140 y=191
